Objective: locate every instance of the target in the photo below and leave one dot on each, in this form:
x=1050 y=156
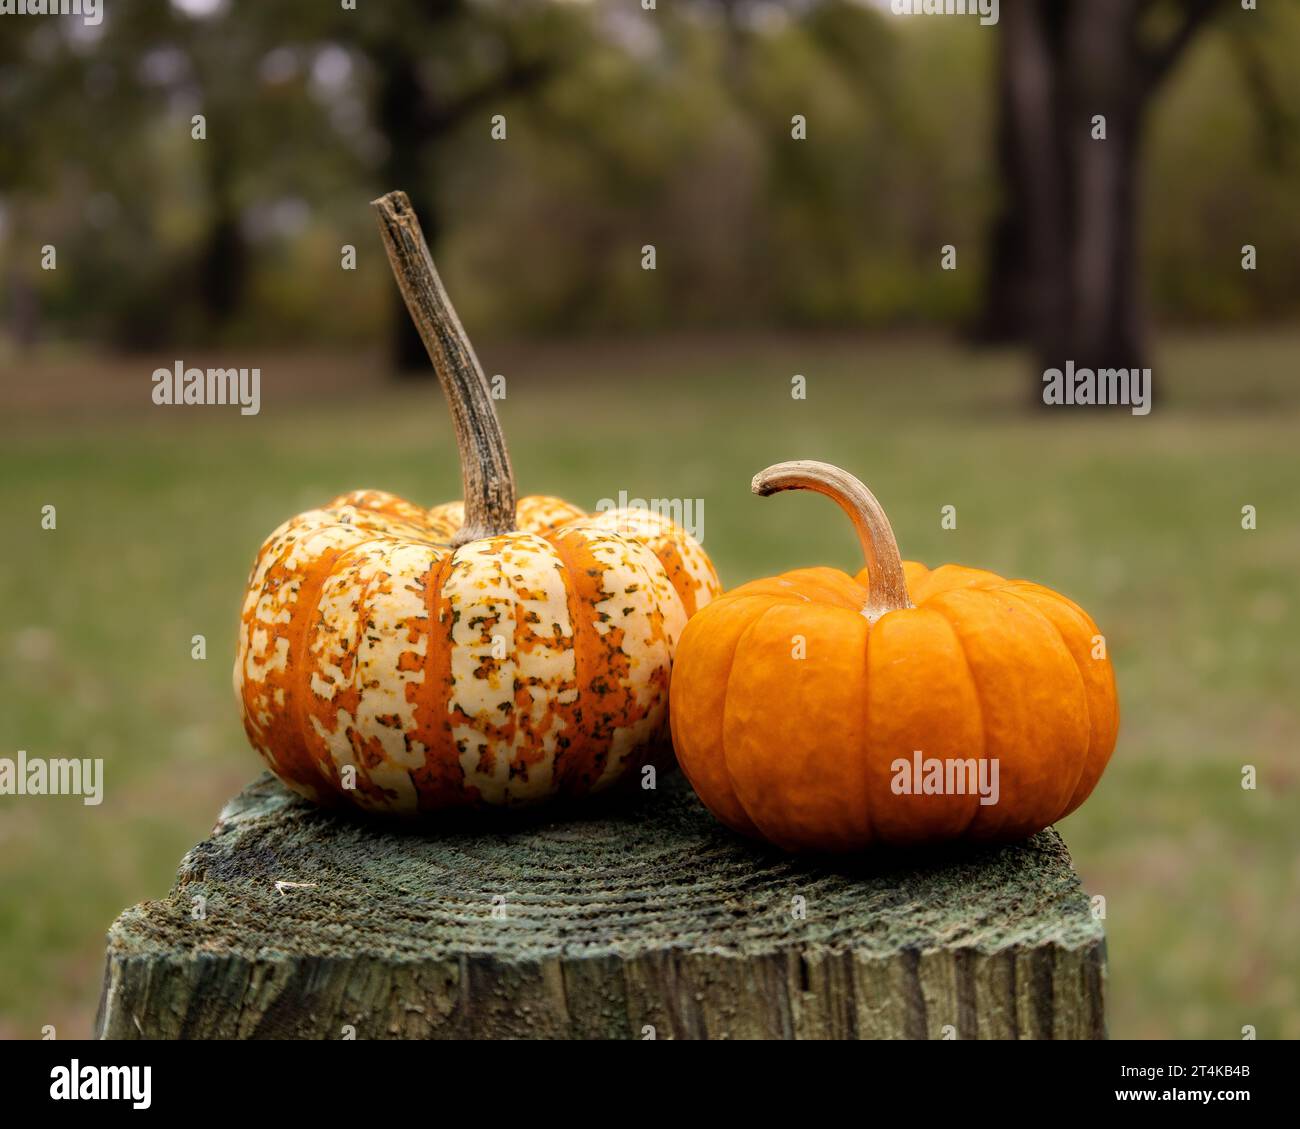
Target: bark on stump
x=640 y=918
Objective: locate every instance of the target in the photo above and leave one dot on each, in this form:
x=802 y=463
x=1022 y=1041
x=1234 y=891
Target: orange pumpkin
x=479 y=653
x=827 y=713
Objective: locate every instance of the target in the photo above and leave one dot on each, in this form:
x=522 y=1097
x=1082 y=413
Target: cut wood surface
x=637 y=918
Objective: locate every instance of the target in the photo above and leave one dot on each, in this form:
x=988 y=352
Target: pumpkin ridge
x=803 y=586
x=722 y=732
x=358 y=663
x=833 y=587
x=667 y=617
x=281 y=736
x=726 y=699
x=545 y=669
x=297 y=680
x=581 y=767
x=685 y=565
x=1082 y=760
x=978 y=695
x=936 y=578
x=1096 y=736
x=868 y=743
x=1055 y=595
x=1018 y=712
x=492 y=718
x=769 y=598
x=318 y=747
x=565 y=721
x=657 y=575
x=684 y=722
x=675 y=571
x=443 y=774
x=530 y=507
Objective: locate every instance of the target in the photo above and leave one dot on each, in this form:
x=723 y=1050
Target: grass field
x=160 y=510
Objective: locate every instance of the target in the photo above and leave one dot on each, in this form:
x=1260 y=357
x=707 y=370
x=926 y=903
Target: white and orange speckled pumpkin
x=410 y=660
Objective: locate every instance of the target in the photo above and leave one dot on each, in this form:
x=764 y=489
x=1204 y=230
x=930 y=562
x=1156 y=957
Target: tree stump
x=636 y=919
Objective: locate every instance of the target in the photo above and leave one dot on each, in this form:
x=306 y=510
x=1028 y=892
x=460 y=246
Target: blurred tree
x=436 y=67
x=629 y=126
x=30 y=95
x=1065 y=256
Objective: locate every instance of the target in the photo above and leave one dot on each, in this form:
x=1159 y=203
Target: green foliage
x=626 y=128
x=1224 y=171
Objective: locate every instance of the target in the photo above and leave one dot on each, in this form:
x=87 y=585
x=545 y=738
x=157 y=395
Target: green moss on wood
x=641 y=912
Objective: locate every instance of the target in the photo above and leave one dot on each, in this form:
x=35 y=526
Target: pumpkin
x=824 y=712
x=403 y=659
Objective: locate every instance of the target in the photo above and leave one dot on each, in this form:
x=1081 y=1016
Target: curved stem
x=486 y=476
x=888 y=591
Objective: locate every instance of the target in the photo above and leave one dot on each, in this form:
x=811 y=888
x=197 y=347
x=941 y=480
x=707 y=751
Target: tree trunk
x=223 y=268
x=1103 y=76
x=223 y=260
x=1065 y=271
x=1024 y=301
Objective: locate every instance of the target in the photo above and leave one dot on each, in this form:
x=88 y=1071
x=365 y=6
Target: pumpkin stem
x=487 y=479
x=888 y=591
